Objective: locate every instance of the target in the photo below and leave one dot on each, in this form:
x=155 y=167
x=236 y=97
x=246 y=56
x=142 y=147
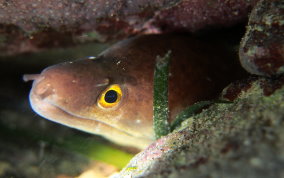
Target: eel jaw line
x=55 y=113
x=58 y=115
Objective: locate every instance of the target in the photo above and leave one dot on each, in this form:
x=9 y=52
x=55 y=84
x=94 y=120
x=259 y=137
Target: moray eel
x=111 y=95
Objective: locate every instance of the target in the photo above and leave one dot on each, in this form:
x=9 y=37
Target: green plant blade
x=160 y=103
x=191 y=110
x=91 y=148
x=96 y=151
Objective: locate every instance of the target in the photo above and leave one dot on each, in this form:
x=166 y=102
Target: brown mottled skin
x=67 y=93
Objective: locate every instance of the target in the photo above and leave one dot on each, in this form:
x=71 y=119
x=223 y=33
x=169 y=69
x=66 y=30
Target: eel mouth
x=47 y=109
x=43 y=101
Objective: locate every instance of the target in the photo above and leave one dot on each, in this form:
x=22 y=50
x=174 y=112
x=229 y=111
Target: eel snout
x=41 y=89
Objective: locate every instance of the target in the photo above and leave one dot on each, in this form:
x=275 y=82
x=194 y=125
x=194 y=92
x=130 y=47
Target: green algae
x=188 y=112
x=131 y=168
x=160 y=96
x=192 y=110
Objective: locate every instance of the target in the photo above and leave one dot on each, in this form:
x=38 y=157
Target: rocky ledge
x=241 y=139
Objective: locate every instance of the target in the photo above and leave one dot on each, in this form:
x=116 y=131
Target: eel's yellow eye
x=110 y=97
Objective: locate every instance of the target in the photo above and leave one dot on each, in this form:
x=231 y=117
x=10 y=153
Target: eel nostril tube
x=41 y=88
x=29 y=77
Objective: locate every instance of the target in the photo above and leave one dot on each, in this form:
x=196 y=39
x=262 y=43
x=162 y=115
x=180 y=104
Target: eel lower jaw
x=56 y=114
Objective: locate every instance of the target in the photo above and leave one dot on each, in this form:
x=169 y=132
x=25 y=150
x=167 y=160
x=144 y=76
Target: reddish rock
x=267 y=86
x=192 y=15
x=41 y=24
x=262 y=48
x=236 y=88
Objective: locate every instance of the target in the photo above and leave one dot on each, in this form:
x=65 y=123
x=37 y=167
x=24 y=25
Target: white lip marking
x=91 y=57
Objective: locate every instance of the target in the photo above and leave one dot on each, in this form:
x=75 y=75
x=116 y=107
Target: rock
x=191 y=16
x=33 y=25
x=262 y=48
x=267 y=86
x=242 y=139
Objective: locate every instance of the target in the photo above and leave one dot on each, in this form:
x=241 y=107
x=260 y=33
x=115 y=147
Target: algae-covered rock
x=241 y=139
x=29 y=26
x=262 y=48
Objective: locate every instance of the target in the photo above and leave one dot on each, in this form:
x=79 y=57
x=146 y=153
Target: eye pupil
x=111 y=96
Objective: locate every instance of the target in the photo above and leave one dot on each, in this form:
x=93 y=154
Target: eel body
x=112 y=95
